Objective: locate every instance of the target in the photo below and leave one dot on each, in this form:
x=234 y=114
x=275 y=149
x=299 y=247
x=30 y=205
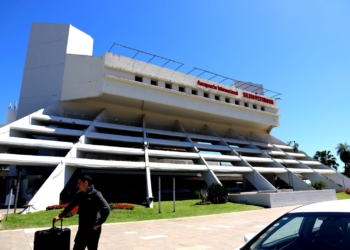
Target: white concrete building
x=134 y=120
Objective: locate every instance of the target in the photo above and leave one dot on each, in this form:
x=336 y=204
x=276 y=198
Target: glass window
x=138 y=78
x=153 y=82
x=181 y=89
x=168 y=85
x=304 y=231
x=290 y=228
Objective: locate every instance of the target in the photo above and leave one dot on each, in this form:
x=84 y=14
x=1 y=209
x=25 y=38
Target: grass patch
x=342 y=196
x=184 y=208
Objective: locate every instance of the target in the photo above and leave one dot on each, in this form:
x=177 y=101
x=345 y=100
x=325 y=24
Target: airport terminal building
x=128 y=122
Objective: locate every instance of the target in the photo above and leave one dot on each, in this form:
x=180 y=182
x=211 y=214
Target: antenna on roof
x=10 y=106
x=15 y=105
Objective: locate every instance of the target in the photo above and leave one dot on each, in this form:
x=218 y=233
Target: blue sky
x=295 y=47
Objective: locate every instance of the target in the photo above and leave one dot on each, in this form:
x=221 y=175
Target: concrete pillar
x=317 y=177
x=258 y=181
x=49 y=193
x=149 y=193
x=298 y=184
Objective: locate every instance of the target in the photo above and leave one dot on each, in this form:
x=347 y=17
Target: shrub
x=124 y=206
x=111 y=206
x=217 y=193
x=202 y=194
x=71 y=213
x=120 y=206
x=318 y=185
x=57 y=206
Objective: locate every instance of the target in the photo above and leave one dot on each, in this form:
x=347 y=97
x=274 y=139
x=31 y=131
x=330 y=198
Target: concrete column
x=298 y=184
x=255 y=178
x=49 y=192
x=317 y=177
x=340 y=179
x=149 y=193
x=208 y=176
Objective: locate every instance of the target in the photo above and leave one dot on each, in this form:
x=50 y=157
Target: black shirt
x=93 y=208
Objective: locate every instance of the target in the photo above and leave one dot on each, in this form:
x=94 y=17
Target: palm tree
x=326 y=158
x=295 y=146
x=343 y=150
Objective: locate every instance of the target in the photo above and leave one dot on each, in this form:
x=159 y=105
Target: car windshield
x=309 y=231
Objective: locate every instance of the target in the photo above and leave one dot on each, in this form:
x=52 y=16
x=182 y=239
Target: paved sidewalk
x=214 y=232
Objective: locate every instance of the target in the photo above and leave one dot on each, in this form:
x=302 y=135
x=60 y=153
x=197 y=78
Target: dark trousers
x=87 y=237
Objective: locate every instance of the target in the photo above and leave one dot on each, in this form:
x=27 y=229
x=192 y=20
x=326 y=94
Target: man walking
x=93 y=211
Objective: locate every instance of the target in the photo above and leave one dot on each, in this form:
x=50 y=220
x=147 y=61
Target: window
x=217 y=97
x=245 y=104
x=312 y=230
x=168 y=85
x=236 y=102
x=206 y=95
x=194 y=92
x=154 y=83
x=181 y=89
x=263 y=108
x=227 y=100
x=284 y=230
x=138 y=78
x=254 y=106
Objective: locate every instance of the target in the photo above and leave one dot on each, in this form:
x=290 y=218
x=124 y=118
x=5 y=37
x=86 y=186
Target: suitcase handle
x=53 y=223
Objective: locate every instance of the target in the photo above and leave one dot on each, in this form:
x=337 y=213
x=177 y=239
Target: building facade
x=134 y=121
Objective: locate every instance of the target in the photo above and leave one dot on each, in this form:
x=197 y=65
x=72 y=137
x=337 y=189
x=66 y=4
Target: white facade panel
x=75 y=44
x=82 y=77
x=45 y=62
x=11 y=116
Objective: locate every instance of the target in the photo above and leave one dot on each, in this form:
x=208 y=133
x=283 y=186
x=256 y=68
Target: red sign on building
x=258 y=98
x=212 y=86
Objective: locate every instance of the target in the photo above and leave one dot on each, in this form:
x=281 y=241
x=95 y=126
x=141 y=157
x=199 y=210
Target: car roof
x=339 y=206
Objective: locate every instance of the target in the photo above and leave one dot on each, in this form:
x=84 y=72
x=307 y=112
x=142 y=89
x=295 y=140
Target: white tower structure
x=119 y=116
x=43 y=72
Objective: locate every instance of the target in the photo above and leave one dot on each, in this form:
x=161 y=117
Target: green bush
x=318 y=185
x=217 y=193
x=202 y=194
x=111 y=206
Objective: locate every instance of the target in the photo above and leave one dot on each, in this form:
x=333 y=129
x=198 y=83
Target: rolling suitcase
x=53 y=238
